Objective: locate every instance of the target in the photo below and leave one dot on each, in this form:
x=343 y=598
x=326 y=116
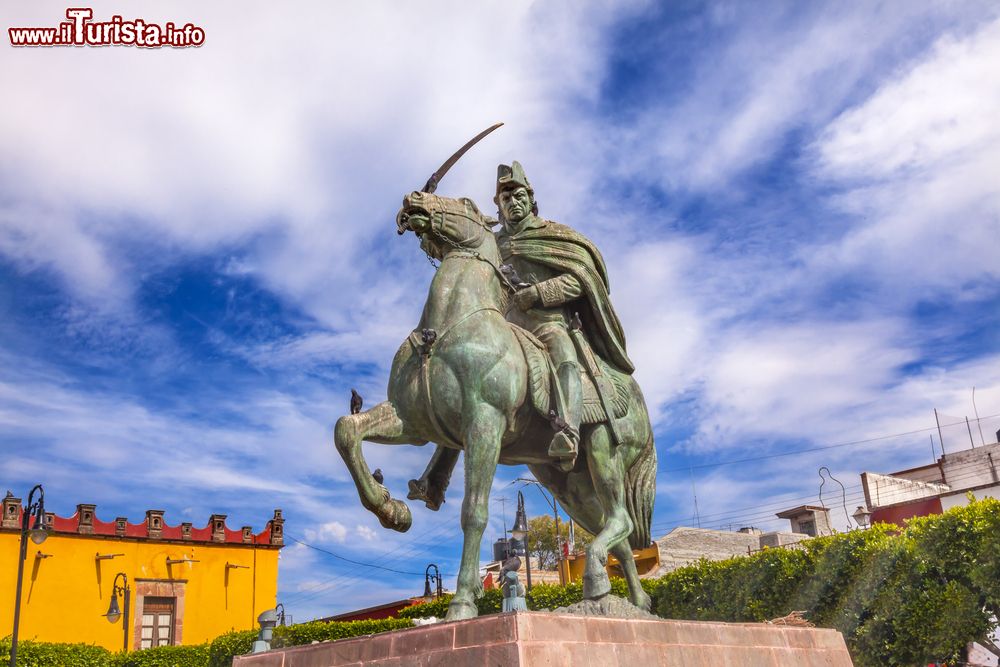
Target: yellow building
x=187 y=585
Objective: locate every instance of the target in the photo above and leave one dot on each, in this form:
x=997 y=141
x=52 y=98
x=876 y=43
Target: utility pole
x=940 y=437
x=979 y=422
x=694 y=493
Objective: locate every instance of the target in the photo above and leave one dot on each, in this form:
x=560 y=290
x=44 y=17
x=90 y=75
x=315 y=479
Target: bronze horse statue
x=464 y=379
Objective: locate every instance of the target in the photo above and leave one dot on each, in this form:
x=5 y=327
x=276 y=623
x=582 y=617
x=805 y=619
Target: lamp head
x=114 y=612
x=38 y=531
x=427 y=587
x=520 y=529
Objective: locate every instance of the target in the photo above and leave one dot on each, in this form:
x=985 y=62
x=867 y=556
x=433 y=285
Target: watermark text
x=82 y=30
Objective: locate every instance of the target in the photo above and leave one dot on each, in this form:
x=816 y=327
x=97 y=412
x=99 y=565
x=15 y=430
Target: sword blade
x=436 y=177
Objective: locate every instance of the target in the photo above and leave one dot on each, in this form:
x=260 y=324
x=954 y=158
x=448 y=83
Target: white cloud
x=331 y=531
x=920 y=158
x=365 y=533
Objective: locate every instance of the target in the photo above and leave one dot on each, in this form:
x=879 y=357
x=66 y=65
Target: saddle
x=542 y=379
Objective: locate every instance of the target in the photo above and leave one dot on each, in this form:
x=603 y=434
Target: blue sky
x=798 y=203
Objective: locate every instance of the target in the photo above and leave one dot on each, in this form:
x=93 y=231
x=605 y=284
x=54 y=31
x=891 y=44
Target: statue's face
x=515 y=204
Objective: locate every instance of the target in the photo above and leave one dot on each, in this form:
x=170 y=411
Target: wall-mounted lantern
x=115 y=613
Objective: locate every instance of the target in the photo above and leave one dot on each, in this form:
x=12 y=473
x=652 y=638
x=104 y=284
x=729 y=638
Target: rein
x=461 y=251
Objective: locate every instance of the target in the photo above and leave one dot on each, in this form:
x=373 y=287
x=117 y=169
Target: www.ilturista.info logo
x=81 y=30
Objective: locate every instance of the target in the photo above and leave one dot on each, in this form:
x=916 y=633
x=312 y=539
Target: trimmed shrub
x=540 y=597
x=222 y=649
x=44 y=654
x=318 y=631
x=437 y=608
x=900 y=596
x=163 y=656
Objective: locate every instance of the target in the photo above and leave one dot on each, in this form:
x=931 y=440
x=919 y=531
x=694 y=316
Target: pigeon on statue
x=356 y=402
x=378 y=475
x=510 y=273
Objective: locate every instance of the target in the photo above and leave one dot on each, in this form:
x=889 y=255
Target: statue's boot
x=565 y=443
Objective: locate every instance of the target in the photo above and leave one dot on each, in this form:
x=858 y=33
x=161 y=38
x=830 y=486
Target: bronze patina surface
x=518 y=358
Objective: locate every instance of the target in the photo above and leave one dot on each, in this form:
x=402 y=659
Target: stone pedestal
x=539 y=639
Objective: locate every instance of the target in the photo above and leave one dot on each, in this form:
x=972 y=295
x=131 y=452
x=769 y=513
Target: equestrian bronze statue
x=519 y=358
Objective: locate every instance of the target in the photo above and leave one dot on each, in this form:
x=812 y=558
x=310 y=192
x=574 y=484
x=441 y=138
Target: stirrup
x=563 y=448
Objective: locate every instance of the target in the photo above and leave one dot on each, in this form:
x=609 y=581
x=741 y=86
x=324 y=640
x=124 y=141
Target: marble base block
x=539 y=639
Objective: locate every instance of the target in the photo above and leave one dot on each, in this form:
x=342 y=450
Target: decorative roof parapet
x=154 y=524
x=11 y=512
x=153 y=527
x=85 y=518
x=275 y=530
x=217 y=522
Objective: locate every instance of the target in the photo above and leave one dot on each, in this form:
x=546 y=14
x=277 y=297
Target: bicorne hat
x=511 y=176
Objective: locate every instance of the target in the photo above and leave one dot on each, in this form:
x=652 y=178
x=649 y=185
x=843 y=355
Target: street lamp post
x=38 y=534
x=554 y=504
x=115 y=612
x=520 y=533
x=436 y=577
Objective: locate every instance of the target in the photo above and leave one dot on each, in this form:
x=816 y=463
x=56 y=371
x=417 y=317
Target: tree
x=544 y=546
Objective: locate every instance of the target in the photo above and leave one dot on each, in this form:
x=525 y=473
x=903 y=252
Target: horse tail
x=640 y=491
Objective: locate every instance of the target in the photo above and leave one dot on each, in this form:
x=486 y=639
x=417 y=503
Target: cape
x=568 y=251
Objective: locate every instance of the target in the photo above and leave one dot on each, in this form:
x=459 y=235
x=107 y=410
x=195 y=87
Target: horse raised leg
x=482 y=454
x=382 y=425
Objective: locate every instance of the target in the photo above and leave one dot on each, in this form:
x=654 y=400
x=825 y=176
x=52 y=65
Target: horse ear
x=490 y=222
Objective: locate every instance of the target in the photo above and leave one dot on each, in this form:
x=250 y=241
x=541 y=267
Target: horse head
x=444 y=224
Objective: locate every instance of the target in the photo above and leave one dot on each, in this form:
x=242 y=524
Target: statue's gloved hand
x=526 y=298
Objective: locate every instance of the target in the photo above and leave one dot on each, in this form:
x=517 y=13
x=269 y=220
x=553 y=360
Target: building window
x=157 y=622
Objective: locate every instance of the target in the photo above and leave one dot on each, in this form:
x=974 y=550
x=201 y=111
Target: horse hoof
x=417 y=490
x=395 y=515
x=460 y=610
x=421 y=490
x=596 y=586
x=643 y=601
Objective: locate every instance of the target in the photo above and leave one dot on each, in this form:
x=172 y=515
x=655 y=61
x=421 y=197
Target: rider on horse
x=566 y=276
x=568 y=279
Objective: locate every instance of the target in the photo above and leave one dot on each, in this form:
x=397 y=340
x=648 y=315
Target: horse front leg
x=482 y=453
x=382 y=425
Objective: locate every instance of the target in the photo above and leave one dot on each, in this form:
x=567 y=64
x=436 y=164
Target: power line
x=355 y=562
x=317 y=588
x=958 y=475
x=810 y=449
x=409 y=550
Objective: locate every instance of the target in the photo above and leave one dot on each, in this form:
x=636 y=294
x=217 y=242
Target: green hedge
x=43 y=654
x=540 y=597
x=223 y=648
x=163 y=656
x=218 y=653
x=900 y=596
